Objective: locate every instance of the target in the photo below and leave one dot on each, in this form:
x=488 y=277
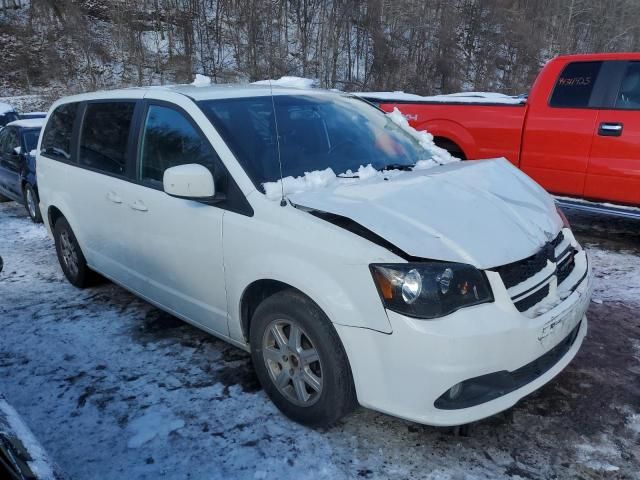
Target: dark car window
x=7 y=117
x=56 y=140
x=169 y=139
x=30 y=138
x=104 y=138
x=10 y=140
x=629 y=92
x=575 y=84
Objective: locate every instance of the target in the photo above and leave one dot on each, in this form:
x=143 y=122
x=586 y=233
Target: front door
x=614 y=166
x=559 y=131
x=178 y=246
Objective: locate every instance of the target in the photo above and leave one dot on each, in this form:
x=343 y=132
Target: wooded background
x=419 y=46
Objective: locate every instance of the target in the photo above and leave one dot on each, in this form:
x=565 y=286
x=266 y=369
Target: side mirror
x=16 y=151
x=191 y=181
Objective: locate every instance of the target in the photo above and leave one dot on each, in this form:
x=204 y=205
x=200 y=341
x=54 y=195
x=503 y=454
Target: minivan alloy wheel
x=293 y=362
x=69 y=254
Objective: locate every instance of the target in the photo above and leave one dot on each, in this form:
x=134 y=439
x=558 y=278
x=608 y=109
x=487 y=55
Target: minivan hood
x=485 y=213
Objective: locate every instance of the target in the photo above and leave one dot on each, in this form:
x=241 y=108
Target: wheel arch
x=257 y=292
x=453 y=133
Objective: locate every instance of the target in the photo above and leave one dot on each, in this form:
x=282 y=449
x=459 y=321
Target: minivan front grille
x=536 y=297
x=515 y=273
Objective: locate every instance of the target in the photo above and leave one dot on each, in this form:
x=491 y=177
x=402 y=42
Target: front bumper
x=405 y=372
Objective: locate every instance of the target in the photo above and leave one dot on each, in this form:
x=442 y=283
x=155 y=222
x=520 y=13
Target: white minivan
x=355 y=260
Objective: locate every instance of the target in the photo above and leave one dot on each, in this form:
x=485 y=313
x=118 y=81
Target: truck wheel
x=32 y=202
x=300 y=361
x=70 y=256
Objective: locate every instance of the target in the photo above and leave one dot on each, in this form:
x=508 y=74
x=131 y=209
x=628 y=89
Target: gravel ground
x=114 y=388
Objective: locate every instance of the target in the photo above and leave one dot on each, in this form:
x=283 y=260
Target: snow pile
x=309 y=181
x=291 y=82
x=461 y=97
x=425 y=139
x=201 y=81
x=323 y=178
x=159 y=423
x=40 y=464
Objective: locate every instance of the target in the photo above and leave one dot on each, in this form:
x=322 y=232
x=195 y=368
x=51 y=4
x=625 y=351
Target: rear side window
x=575 y=84
x=629 y=92
x=104 y=139
x=56 y=140
x=169 y=140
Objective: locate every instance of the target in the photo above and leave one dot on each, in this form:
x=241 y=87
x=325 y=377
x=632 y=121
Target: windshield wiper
x=396 y=166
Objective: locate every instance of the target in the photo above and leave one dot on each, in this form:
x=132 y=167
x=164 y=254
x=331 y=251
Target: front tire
x=32 y=203
x=70 y=256
x=300 y=361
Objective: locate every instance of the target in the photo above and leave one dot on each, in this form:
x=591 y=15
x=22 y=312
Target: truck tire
x=300 y=361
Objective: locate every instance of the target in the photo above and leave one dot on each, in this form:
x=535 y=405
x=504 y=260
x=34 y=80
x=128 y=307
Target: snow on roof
x=27 y=123
x=291 y=82
x=5 y=108
x=460 y=97
x=201 y=81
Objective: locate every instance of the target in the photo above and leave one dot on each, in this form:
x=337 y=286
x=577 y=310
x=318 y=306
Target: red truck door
x=559 y=129
x=614 y=166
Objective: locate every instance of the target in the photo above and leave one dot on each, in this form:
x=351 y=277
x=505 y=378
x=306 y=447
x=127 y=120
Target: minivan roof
x=197 y=93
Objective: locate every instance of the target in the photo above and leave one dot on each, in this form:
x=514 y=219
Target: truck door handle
x=114 y=197
x=138 y=205
x=608 y=129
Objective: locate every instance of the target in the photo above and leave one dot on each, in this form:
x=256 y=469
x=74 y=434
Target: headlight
x=430 y=289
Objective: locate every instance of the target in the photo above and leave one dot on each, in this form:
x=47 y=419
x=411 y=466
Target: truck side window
x=105 y=136
x=169 y=139
x=56 y=140
x=629 y=92
x=575 y=84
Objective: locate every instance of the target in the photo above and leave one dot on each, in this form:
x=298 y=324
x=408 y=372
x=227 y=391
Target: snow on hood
x=323 y=178
x=291 y=82
x=484 y=213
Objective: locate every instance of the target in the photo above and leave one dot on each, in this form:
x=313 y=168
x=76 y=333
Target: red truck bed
x=577 y=133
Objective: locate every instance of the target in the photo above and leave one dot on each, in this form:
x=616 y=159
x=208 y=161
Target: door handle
x=138 y=205
x=610 y=129
x=114 y=197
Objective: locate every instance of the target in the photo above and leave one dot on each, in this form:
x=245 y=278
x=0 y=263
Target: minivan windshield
x=316 y=132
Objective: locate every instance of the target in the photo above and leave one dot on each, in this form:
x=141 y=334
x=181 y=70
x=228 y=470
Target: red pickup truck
x=577 y=133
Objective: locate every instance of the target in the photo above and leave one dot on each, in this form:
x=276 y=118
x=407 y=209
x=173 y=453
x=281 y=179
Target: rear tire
x=32 y=203
x=70 y=256
x=300 y=361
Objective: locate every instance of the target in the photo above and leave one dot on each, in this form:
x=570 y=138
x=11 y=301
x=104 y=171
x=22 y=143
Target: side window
x=629 y=93
x=56 y=140
x=10 y=140
x=575 y=84
x=3 y=139
x=104 y=139
x=168 y=140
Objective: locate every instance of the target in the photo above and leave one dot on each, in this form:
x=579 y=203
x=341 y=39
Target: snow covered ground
x=113 y=388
